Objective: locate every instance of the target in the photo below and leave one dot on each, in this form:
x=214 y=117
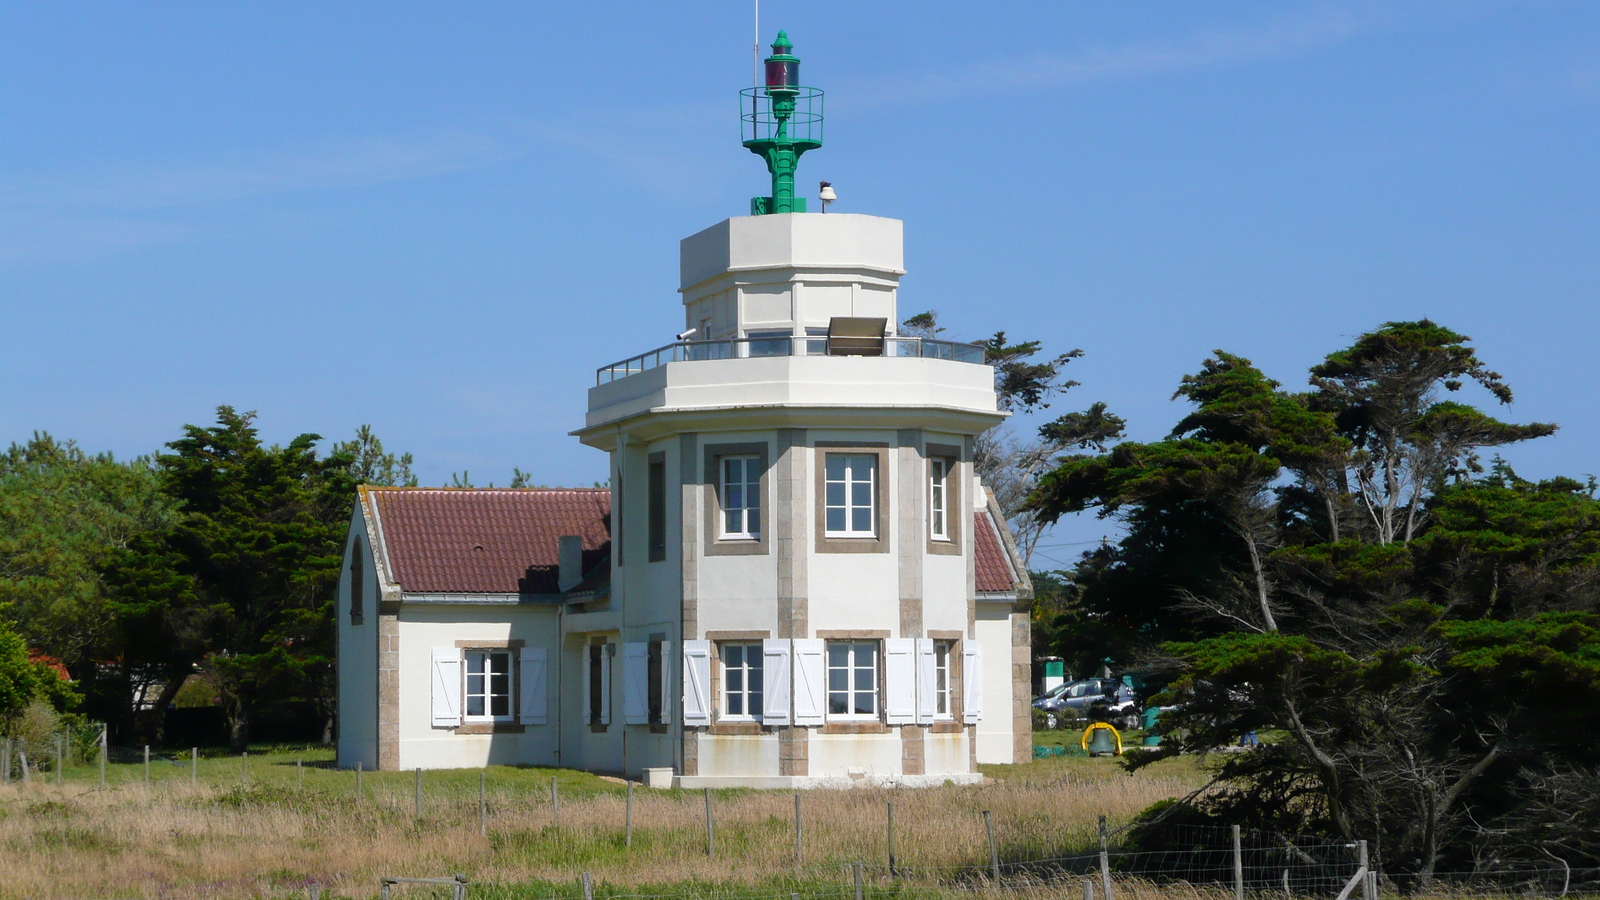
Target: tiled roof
x=504 y=541
x=993 y=569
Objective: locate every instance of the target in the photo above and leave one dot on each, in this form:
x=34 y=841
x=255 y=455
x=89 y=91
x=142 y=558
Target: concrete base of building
x=834 y=782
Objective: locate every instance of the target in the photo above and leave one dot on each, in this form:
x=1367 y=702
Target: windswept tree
x=1336 y=566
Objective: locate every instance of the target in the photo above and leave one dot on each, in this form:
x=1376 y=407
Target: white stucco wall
x=994 y=730
x=424 y=627
x=357 y=657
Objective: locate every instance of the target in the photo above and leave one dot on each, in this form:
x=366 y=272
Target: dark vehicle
x=1073 y=699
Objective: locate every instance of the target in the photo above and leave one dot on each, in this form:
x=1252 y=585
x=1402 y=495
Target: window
x=656 y=690
x=937 y=508
x=597 y=684
x=853 y=678
x=357 y=572
x=851 y=494
x=741 y=681
x=488 y=693
x=941 y=679
x=769 y=343
x=741 y=497
x=658 y=507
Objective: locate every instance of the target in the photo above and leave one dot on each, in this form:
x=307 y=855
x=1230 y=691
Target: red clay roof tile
x=489 y=541
x=993 y=570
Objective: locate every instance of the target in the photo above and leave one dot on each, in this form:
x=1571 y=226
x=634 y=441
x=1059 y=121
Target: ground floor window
x=853 y=678
x=488 y=693
x=941 y=679
x=741 y=681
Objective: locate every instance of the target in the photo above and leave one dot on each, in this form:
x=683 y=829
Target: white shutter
x=899 y=681
x=605 y=683
x=446 y=687
x=927 y=682
x=535 y=704
x=775 y=684
x=636 y=683
x=810 y=682
x=696 y=682
x=971 y=682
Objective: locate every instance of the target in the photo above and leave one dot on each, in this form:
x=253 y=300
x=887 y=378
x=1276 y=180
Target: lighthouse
x=823 y=588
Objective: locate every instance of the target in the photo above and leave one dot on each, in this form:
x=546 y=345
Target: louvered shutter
x=534 y=702
x=971 y=682
x=927 y=682
x=776 y=694
x=636 y=683
x=696 y=682
x=446 y=687
x=810 y=682
x=900 y=681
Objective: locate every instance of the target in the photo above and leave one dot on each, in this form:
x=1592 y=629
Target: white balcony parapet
x=785 y=345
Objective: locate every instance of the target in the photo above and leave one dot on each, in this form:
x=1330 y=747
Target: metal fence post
x=994 y=854
x=1238 y=866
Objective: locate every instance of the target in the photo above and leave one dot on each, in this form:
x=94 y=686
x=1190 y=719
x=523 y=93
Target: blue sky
x=440 y=218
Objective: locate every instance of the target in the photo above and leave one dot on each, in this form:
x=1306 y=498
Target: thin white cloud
x=1208 y=48
x=58 y=218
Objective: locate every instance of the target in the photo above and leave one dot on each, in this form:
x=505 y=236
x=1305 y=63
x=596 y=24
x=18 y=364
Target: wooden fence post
x=194 y=765
x=1238 y=866
x=711 y=828
x=104 y=730
x=994 y=854
x=798 y=833
x=1366 y=880
x=891 y=838
x=419 y=793
x=5 y=764
x=483 y=803
x=856 y=867
x=1088 y=890
x=555 y=803
x=627 y=820
x=59 y=742
x=1105 y=861
x=244 y=768
x=146 y=765
x=358 y=781
x=588 y=887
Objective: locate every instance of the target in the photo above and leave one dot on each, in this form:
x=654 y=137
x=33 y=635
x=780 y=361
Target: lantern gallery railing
x=783 y=345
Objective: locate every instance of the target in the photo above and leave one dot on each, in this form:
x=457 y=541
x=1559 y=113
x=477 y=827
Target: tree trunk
x=238 y=727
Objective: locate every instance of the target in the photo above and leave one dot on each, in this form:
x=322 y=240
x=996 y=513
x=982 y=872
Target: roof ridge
x=518 y=490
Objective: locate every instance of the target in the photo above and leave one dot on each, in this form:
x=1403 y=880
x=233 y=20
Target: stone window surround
x=712 y=482
x=742 y=725
x=512 y=727
x=876 y=544
x=954 y=499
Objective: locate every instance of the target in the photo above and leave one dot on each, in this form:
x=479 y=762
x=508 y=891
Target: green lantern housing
x=781 y=120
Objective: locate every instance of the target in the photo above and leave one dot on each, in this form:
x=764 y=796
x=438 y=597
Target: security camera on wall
x=685 y=335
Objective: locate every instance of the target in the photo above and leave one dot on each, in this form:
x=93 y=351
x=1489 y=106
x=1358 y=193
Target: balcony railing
x=784 y=345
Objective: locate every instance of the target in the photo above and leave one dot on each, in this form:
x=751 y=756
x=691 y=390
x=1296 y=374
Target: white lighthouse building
x=795 y=580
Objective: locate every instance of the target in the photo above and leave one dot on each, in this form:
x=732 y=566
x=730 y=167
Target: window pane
x=861 y=494
x=735 y=704
x=867 y=655
x=754 y=517
x=755 y=704
x=861 y=520
x=474 y=662
x=734 y=654
x=735 y=496
x=730 y=522
x=838 y=704
x=836 y=519
x=474 y=684
x=835 y=493
x=475 y=706
x=752 y=491
x=838 y=679
x=836 y=466
x=501 y=705
x=864 y=706
x=863 y=679
x=861 y=467
x=838 y=655
x=500 y=683
x=755 y=678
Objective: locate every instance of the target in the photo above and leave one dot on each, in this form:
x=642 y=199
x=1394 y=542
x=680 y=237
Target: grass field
x=263 y=827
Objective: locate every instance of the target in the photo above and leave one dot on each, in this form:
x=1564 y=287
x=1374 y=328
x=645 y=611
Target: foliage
x=25 y=683
x=1338 y=568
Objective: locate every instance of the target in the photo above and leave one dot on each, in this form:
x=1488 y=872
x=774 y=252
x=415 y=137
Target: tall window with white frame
x=853 y=679
x=741 y=497
x=941 y=680
x=938 y=509
x=488 y=693
x=741 y=681
x=851 y=485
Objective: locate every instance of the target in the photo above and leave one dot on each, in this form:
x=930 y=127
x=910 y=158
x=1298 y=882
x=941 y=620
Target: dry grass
x=271 y=837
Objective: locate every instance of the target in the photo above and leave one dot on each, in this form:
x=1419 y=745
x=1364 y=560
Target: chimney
x=569 y=568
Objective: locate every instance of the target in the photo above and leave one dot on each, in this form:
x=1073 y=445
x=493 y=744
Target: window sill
x=850 y=535
x=490 y=728
x=746 y=726
x=946 y=726
x=858 y=726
